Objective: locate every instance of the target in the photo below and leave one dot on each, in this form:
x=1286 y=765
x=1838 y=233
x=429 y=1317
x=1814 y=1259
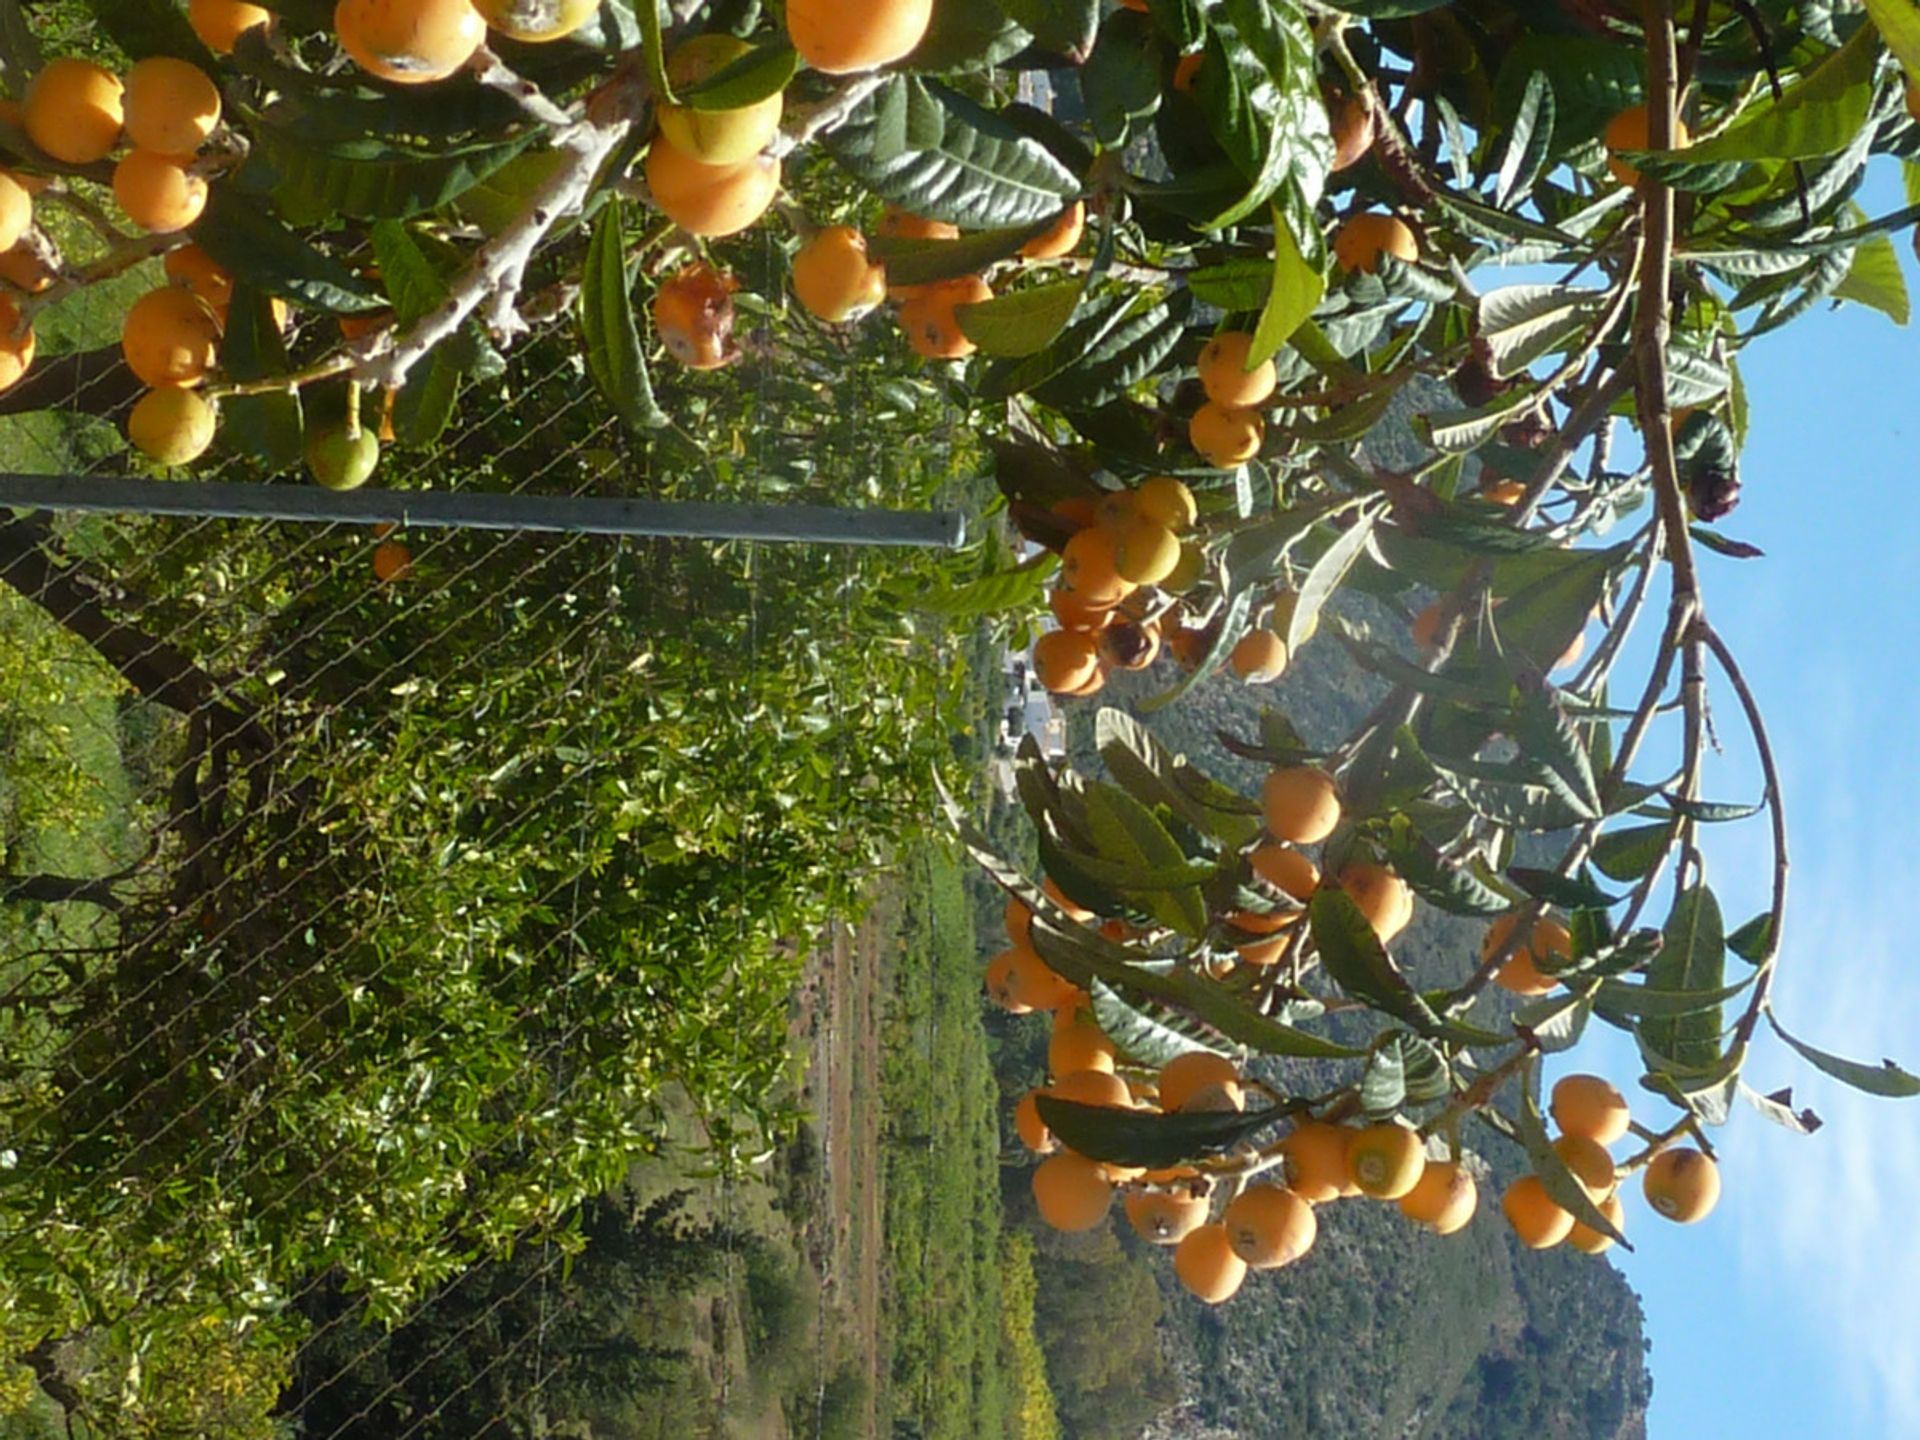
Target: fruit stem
x=353 y=410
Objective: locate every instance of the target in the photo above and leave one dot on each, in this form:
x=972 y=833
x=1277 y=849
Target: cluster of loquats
x=1682 y=1184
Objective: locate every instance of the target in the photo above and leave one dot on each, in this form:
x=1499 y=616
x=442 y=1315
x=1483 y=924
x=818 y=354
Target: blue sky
x=1794 y=1310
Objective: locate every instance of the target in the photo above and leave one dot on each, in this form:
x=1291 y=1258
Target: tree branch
x=59 y=890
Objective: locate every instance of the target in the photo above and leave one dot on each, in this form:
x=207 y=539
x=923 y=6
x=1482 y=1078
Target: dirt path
x=847 y=1001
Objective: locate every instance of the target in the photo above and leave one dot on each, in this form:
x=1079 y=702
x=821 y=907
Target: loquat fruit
x=1589 y=1105
x=74 y=110
x=930 y=318
x=715 y=137
x=709 y=200
x=1363 y=239
x=170 y=337
x=170 y=106
x=833 y=277
x=1385 y=1160
x=839 y=37
x=1059 y=238
x=1071 y=1192
x=171 y=425
x=539 y=22
x=1162 y=1217
x=158 y=192
x=693 y=313
x=1224 y=373
x=1301 y=804
x=1226 y=436
x=1538 y=1222
x=1269 y=1226
x=410 y=42
x=1443 y=1199
x=1205 y=1263
x=1259 y=657
x=221 y=23
x=1682 y=1184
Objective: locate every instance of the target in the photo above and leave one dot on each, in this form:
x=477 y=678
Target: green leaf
x=1572 y=892
x=1521 y=323
x=1456 y=889
x=1152 y=774
x=1122 y=358
x=954 y=160
x=150 y=27
x=1258 y=91
x=1403 y=1070
x=1294 y=290
x=1324 y=578
x=762 y=72
x=1898 y=22
x=1819 y=115
x=1354 y=958
x=1147 y=1033
x=1127 y=831
x=1541 y=619
x=1543 y=732
x=1620 y=998
x=614 y=356
x=1627 y=854
x=1233 y=284
x=1557 y=1021
x=653 y=47
x=1692 y=957
x=1022 y=322
x=1064 y=25
x=917 y=262
x=1019 y=588
x=267 y=427
x=1147 y=1138
x=1529 y=143
x=254 y=247
x=410 y=278
x=1254 y=554
x=1753 y=940
x=1121 y=79
x=369 y=179
x=1874 y=280
x=1886 y=1079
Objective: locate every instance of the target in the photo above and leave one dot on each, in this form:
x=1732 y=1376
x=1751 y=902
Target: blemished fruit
x=340 y=461
x=1060 y=237
x=170 y=106
x=1592 y=1242
x=839 y=37
x=410 y=42
x=1589 y=1105
x=1361 y=240
x=192 y=267
x=1114 y=510
x=693 y=313
x=931 y=321
x=1383 y=897
x=25 y=269
x=1166 y=501
x=712 y=201
x=221 y=23
x=716 y=137
x=1590 y=1163
x=1093 y=1087
x=538 y=21
x=1186 y=71
x=1079 y=1045
x=1316 y=1158
x=1147 y=552
x=74 y=110
x=392 y=562
x=170 y=337
x=1386 y=1160
x=1259 y=657
x=1206 y=1265
x=1683 y=1185
x=1185 y=1076
x=171 y=425
x=1269 y=1226
x=1031 y=1129
x=1065 y=660
x=1226 y=436
x=1123 y=645
x=1538 y=1222
x=1301 y=804
x=1629 y=131
x=1224 y=373
x=1090 y=567
x=834 y=278
x=158 y=192
x=1352 y=122
x=1019 y=981
x=1164 y=1218
x=1071 y=1191
x=1285 y=869
x=16 y=351
x=1443 y=1199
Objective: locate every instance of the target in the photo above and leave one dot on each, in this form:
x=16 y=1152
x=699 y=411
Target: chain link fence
x=371 y=899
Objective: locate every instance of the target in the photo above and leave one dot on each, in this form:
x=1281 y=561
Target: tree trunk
x=158 y=671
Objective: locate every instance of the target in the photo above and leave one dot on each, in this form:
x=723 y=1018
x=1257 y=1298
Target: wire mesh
x=359 y=895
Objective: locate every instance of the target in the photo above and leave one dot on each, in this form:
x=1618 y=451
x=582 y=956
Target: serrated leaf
x=1121 y=79
x=1145 y=1137
x=1814 y=117
x=1898 y=22
x=1254 y=554
x=1692 y=958
x=1353 y=957
x=964 y=165
x=1885 y=1079
x=1404 y=1070
x=368 y=179
x=1544 y=733
x=1064 y=25
x=614 y=356
x=1529 y=143
x=1520 y=323
x=1570 y=892
x=1627 y=854
x=1121 y=358
x=1456 y=889
x=1147 y=1033
x=1233 y=285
